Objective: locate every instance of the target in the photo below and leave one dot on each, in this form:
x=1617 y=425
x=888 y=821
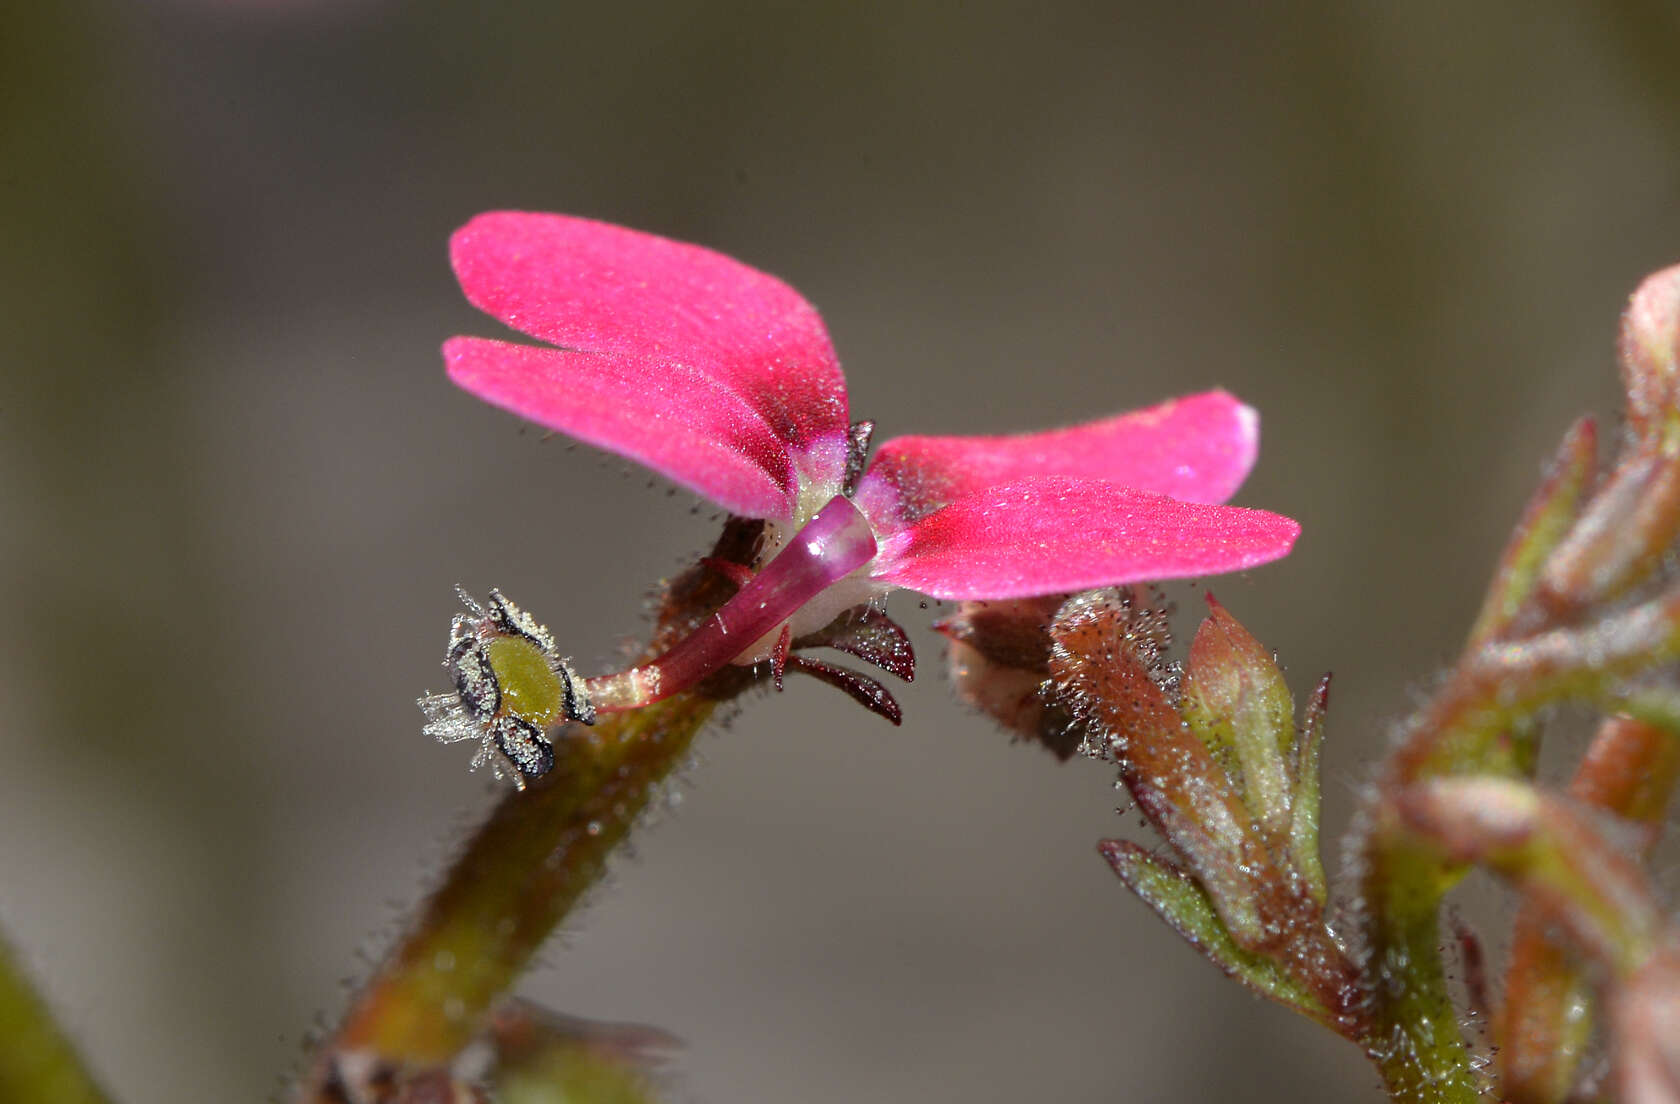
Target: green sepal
x=1235 y=696
x=1230 y=866
x=1185 y=906
x=1304 y=803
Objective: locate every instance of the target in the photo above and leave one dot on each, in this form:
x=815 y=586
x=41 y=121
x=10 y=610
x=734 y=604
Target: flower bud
x=999 y=659
x=1236 y=700
x=1650 y=357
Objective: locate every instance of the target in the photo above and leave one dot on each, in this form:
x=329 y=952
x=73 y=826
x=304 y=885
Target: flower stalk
x=525 y=869
x=833 y=544
x=519 y=877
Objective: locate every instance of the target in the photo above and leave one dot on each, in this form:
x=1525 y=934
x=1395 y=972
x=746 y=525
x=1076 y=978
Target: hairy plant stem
x=37 y=1063
x=834 y=543
x=526 y=867
x=1413 y=1034
x=519 y=876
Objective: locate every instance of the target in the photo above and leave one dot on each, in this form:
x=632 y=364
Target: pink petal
x=598 y=288
x=681 y=422
x=1197 y=449
x=1050 y=534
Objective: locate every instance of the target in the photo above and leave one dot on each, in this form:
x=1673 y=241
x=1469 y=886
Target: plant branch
x=525 y=869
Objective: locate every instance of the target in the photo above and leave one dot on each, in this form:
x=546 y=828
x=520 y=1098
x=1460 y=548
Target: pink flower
x=723 y=379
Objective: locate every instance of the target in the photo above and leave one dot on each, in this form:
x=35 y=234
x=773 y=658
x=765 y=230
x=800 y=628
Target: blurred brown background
x=235 y=488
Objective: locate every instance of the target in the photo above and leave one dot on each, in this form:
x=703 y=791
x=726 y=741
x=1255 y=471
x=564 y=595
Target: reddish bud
x=1000 y=659
x=1650 y=355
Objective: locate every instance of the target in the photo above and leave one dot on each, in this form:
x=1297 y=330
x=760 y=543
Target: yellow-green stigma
x=511 y=689
x=531 y=688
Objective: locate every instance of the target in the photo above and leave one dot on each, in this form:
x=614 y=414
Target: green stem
x=527 y=866
x=519 y=876
x=37 y=1063
x=1414 y=1036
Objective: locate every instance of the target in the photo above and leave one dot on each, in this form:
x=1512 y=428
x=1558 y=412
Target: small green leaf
x=1223 y=861
x=1304 y=805
x=1186 y=907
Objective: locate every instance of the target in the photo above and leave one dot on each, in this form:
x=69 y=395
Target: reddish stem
x=833 y=544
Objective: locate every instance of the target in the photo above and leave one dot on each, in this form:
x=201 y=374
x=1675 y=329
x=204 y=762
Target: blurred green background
x=235 y=487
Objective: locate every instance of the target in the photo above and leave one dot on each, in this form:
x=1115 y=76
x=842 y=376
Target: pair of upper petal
x=723 y=379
